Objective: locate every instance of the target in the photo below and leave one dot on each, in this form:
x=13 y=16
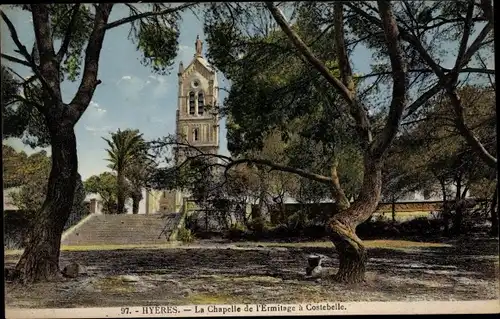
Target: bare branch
x=69 y=32
x=476 y=45
x=89 y=81
x=412 y=108
x=133 y=18
x=230 y=163
x=15 y=60
x=492 y=83
x=487 y=6
x=405 y=35
x=24 y=52
x=301 y=46
x=283 y=168
x=465 y=36
x=336 y=189
x=467 y=133
x=399 y=78
x=356 y=108
x=345 y=66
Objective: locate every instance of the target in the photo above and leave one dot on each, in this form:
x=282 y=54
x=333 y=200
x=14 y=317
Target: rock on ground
x=73 y=270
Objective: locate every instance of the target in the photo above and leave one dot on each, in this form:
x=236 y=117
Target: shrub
x=236 y=231
x=185 y=235
x=314 y=232
x=421 y=226
x=259 y=225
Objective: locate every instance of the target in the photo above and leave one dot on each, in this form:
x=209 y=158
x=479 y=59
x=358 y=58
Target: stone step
x=123 y=229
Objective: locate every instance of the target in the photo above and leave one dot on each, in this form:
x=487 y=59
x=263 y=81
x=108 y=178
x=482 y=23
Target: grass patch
x=206 y=298
x=101 y=248
x=114 y=284
x=382 y=243
x=117 y=247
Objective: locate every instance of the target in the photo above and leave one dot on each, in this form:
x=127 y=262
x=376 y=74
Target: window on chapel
x=191 y=103
x=195 y=134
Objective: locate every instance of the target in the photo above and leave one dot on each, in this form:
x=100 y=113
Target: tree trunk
x=342 y=226
x=121 y=192
x=135 y=204
x=40 y=259
x=446 y=213
x=459 y=207
x=494 y=213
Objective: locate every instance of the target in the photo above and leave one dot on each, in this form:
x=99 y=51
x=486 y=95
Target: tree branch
x=24 y=52
x=464 y=70
x=465 y=36
x=69 y=32
x=133 y=18
x=356 y=108
x=232 y=163
x=283 y=168
x=399 y=78
x=467 y=133
x=476 y=45
x=412 y=108
x=336 y=189
x=405 y=35
x=344 y=65
x=89 y=81
x=304 y=50
x=487 y=6
x=15 y=60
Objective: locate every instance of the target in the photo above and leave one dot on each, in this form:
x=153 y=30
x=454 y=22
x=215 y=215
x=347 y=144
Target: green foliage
x=273 y=91
x=31 y=174
x=61 y=16
x=236 y=231
x=259 y=224
x=185 y=235
x=106 y=186
x=13 y=167
x=159 y=43
x=429 y=152
x=21 y=118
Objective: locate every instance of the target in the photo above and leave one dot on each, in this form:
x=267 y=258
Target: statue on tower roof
x=198 y=46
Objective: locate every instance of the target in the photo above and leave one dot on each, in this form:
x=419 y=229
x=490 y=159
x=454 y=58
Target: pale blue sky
x=130 y=95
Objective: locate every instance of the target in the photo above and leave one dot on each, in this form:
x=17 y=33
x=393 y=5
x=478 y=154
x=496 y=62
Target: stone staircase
x=123 y=230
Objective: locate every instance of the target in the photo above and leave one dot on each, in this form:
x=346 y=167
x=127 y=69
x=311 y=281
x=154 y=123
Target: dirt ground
x=256 y=273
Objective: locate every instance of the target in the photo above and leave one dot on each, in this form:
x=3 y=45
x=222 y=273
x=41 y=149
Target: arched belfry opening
x=201 y=103
x=191 y=103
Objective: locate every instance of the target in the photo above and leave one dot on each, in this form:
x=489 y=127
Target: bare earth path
x=263 y=273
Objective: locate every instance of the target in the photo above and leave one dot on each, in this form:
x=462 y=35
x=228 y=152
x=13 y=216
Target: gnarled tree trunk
x=40 y=260
x=342 y=226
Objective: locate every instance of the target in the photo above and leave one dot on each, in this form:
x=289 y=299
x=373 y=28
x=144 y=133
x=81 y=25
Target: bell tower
x=197 y=122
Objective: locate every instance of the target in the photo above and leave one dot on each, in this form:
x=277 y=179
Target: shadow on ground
x=465 y=271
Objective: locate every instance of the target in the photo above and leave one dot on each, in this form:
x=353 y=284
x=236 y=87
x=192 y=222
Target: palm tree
x=125 y=148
